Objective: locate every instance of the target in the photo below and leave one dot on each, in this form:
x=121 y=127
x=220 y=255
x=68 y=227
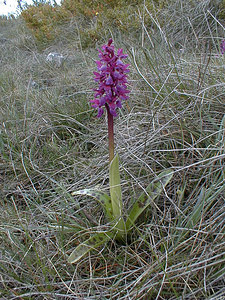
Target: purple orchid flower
x=112 y=80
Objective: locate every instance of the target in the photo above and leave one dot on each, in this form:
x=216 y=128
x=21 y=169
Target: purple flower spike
x=222 y=47
x=112 y=80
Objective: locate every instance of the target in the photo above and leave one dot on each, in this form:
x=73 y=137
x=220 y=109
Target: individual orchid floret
x=112 y=80
x=222 y=47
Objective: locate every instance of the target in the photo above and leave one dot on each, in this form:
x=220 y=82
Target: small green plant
x=112 y=80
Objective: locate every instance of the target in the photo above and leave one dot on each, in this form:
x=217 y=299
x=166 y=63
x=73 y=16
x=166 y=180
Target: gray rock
x=55 y=58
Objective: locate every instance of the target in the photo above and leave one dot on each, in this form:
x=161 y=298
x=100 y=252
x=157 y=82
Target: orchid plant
x=112 y=90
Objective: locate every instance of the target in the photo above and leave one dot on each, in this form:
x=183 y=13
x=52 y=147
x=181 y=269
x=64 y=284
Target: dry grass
x=51 y=144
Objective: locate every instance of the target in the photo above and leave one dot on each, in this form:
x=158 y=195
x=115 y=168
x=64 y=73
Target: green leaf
x=153 y=190
x=116 y=193
x=101 y=197
x=92 y=243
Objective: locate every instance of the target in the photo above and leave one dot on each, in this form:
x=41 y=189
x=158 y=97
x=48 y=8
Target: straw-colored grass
x=52 y=144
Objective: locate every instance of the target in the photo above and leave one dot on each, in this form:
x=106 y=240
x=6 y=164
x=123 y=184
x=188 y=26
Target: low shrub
x=44 y=20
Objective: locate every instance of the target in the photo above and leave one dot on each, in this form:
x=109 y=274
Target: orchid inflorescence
x=112 y=80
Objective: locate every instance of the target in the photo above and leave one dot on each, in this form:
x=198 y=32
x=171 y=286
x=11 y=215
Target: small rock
x=55 y=58
x=34 y=84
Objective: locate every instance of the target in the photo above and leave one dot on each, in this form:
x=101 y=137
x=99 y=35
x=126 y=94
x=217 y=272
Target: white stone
x=55 y=58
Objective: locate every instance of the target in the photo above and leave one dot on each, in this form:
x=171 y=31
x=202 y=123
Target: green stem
x=110 y=134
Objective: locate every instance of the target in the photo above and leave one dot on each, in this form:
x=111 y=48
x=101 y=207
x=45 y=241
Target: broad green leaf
x=116 y=193
x=152 y=191
x=92 y=243
x=101 y=197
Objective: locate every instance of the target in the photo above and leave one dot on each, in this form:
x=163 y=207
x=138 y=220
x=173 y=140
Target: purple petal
x=109 y=81
x=100 y=112
x=120 y=52
x=113 y=112
x=110 y=41
x=118 y=103
x=102 y=101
